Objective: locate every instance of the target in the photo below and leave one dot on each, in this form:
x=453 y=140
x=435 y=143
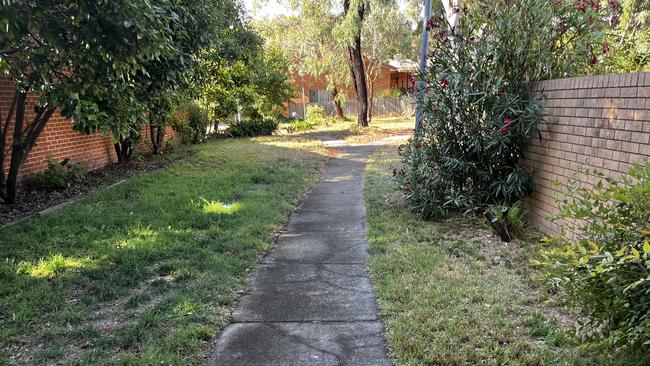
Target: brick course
x=59 y=140
x=595 y=122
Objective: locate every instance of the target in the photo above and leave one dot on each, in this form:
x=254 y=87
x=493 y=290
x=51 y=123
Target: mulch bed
x=31 y=200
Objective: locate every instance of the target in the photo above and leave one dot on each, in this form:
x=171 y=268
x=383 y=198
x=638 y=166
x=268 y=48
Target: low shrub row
x=254 y=127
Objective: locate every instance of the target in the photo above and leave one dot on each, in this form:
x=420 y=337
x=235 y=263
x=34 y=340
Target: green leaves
x=609 y=227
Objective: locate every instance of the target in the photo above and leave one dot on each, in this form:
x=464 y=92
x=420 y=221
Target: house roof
x=403 y=65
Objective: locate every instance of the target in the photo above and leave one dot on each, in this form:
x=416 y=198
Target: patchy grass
x=147 y=272
x=452 y=294
x=379 y=128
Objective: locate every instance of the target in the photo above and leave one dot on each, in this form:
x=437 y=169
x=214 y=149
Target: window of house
x=313 y=96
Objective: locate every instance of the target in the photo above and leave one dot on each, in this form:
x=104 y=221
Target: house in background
x=394 y=76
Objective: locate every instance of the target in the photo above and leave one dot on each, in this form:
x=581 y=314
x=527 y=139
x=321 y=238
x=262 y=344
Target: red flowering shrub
x=479 y=110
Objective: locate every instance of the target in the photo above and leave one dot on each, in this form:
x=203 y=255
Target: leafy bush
x=602 y=257
x=479 y=111
x=59 y=175
x=198 y=121
x=315 y=116
x=315 y=113
x=511 y=218
x=254 y=127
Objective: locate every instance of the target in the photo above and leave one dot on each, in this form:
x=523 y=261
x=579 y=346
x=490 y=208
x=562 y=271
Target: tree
x=385 y=34
x=70 y=55
x=354 y=12
x=270 y=83
x=306 y=40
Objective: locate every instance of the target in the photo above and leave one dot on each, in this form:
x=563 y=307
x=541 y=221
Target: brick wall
x=58 y=139
x=596 y=122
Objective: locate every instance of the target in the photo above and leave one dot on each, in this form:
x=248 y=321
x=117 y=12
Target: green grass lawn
x=146 y=272
x=452 y=294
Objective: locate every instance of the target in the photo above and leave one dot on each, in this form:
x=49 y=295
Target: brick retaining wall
x=596 y=122
x=59 y=140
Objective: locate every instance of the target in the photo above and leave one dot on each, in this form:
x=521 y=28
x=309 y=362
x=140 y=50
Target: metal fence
x=380 y=107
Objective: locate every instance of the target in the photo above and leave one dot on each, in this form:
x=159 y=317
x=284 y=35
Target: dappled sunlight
x=53 y=266
x=218 y=207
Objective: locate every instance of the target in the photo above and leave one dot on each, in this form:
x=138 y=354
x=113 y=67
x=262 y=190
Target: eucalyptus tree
x=385 y=34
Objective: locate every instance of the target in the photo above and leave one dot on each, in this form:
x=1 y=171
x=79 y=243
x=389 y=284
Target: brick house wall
x=595 y=122
x=58 y=139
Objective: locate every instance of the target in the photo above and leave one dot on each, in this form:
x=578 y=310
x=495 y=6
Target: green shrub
x=479 y=111
x=513 y=218
x=59 y=175
x=315 y=114
x=254 y=127
x=602 y=258
x=198 y=121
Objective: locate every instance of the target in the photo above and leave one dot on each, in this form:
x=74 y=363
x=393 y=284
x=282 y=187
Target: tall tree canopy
x=104 y=64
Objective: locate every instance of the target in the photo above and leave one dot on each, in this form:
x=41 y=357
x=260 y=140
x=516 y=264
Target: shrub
x=59 y=175
x=198 y=121
x=507 y=221
x=254 y=127
x=479 y=111
x=315 y=114
x=602 y=258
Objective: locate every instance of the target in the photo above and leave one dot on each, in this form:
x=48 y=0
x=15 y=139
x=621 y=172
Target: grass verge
x=379 y=128
x=146 y=272
x=452 y=294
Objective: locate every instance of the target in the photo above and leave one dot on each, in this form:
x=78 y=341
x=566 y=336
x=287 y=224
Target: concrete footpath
x=311 y=301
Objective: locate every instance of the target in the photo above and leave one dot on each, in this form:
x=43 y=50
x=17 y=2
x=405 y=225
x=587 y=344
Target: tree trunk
x=124 y=151
x=24 y=139
x=358 y=68
x=371 y=99
x=157 y=135
x=337 y=104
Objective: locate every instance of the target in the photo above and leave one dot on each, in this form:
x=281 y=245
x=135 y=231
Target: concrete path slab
x=311 y=301
x=302 y=344
x=320 y=247
x=308 y=292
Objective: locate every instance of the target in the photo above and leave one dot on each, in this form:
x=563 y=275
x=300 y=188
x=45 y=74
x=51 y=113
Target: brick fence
x=596 y=122
x=59 y=140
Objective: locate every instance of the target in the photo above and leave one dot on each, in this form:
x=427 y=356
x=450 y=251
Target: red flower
x=594 y=60
x=605 y=47
x=504 y=130
x=434 y=110
x=444 y=82
x=582 y=6
x=613 y=4
x=471 y=130
x=507 y=121
x=595 y=4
